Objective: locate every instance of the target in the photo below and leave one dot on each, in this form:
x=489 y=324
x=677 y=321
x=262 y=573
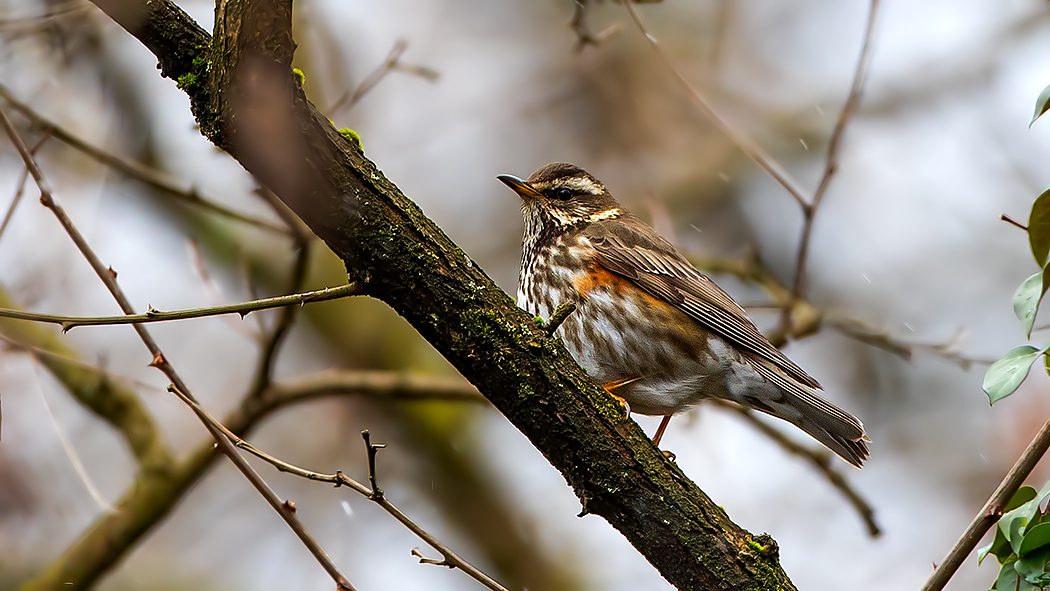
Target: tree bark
x=249 y=102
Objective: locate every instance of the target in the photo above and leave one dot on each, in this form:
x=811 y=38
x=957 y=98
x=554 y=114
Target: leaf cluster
x=1022 y=542
x=1005 y=375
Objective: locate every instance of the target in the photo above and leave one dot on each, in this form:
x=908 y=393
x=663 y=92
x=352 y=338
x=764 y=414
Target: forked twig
x=392 y=63
x=831 y=165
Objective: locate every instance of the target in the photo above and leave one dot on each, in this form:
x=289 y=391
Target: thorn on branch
x=424 y=560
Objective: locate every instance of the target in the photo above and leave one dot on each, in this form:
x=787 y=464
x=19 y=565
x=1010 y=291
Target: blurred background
x=908 y=242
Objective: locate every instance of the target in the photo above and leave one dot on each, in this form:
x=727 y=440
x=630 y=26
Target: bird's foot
x=613 y=385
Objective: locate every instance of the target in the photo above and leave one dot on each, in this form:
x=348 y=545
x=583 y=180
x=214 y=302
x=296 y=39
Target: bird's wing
x=654 y=265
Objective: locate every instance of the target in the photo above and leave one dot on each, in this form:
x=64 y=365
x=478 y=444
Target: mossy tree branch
x=248 y=102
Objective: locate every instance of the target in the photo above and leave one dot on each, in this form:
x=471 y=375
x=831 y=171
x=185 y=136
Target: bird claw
x=623 y=402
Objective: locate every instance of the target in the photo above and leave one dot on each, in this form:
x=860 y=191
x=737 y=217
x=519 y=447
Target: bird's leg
x=660 y=430
x=610 y=386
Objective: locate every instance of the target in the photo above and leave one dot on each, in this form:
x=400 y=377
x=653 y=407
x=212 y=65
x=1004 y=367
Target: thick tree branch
x=247 y=102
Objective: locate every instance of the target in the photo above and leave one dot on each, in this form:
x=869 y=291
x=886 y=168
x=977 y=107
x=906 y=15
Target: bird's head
x=562 y=196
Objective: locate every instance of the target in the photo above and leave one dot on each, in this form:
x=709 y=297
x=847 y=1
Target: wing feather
x=655 y=266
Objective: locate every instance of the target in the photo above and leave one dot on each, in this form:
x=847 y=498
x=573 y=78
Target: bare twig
x=818 y=458
x=584 y=37
x=71 y=452
x=807 y=318
x=561 y=314
x=747 y=145
x=152 y=177
x=20 y=190
x=41 y=20
x=392 y=63
x=831 y=165
x=372 y=492
x=272 y=344
x=108 y=278
x=154 y=315
x=992 y=510
x=881 y=339
x=393 y=385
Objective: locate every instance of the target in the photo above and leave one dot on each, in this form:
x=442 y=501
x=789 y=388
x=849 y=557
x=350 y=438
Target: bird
x=648 y=326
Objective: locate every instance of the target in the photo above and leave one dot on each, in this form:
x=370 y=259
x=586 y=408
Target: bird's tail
x=802 y=406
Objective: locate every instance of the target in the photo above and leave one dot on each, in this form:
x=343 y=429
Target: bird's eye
x=563 y=194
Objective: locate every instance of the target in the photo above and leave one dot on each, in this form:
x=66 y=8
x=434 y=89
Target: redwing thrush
x=648 y=324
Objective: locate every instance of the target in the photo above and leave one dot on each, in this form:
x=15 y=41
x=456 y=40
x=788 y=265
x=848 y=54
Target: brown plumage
x=650 y=326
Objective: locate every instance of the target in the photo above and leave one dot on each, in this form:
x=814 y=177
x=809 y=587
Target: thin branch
x=272 y=344
x=372 y=492
x=392 y=63
x=748 y=146
x=881 y=339
x=151 y=177
x=70 y=451
x=21 y=186
x=818 y=458
x=41 y=20
x=393 y=385
x=119 y=406
x=561 y=314
x=807 y=319
x=992 y=510
x=154 y=315
x=831 y=165
x=108 y=278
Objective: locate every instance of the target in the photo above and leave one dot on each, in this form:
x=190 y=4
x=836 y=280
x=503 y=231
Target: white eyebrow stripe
x=581 y=184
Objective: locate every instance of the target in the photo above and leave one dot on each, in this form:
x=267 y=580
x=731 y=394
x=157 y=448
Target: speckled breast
x=619 y=332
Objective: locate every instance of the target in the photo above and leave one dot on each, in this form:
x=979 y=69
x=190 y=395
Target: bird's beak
x=523 y=189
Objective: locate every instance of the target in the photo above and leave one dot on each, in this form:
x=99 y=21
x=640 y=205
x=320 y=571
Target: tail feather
x=802 y=406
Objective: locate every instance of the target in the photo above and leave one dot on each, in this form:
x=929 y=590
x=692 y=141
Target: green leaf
x=1042 y=104
x=999 y=548
x=1039 y=228
x=1033 y=568
x=1007 y=579
x=1036 y=537
x=1027 y=298
x=1033 y=505
x=1005 y=375
x=1023 y=495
